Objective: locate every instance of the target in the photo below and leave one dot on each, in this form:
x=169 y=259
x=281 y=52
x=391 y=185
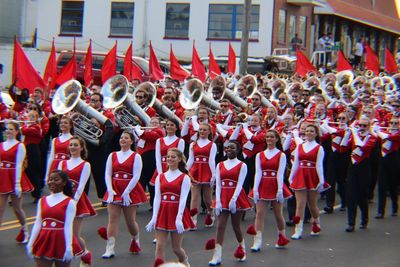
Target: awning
x=360 y=14
x=306 y=2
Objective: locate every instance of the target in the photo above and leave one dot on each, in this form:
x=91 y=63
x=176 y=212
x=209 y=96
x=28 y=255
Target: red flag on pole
x=303 y=65
x=371 y=60
x=69 y=71
x=128 y=63
x=198 y=69
x=342 y=63
x=213 y=68
x=231 y=60
x=154 y=68
x=176 y=70
x=50 y=73
x=390 y=62
x=24 y=74
x=88 y=73
x=109 y=67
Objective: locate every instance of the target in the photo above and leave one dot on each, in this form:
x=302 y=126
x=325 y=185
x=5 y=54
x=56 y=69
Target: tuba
x=192 y=95
x=67 y=98
x=249 y=83
x=344 y=77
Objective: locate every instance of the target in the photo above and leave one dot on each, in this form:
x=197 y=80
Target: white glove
x=17 y=190
x=29 y=252
x=245 y=125
x=320 y=187
x=126 y=199
x=151 y=225
x=279 y=197
x=68 y=255
x=218 y=208
x=110 y=196
x=256 y=196
x=232 y=206
x=179 y=225
x=212 y=181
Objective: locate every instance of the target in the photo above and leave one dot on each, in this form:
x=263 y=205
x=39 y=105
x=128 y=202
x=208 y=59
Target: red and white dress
x=172 y=189
x=270 y=170
x=123 y=169
x=12 y=155
x=78 y=171
x=201 y=163
x=162 y=146
x=59 y=151
x=230 y=175
x=307 y=170
x=52 y=232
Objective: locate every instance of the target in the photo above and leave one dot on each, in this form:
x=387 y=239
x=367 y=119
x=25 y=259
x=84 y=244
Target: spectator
x=358 y=53
x=328 y=47
x=296 y=42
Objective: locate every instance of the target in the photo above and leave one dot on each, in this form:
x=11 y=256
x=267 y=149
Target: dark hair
x=239 y=148
x=133 y=147
x=68 y=188
x=182 y=162
x=299 y=104
x=176 y=123
x=100 y=96
x=278 y=142
x=316 y=129
x=39 y=109
x=84 y=152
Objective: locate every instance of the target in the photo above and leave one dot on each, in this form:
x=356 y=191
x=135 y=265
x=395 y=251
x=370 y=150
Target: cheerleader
x=13 y=180
x=78 y=171
x=269 y=187
x=307 y=180
x=201 y=165
x=52 y=239
x=123 y=169
x=169 y=212
x=230 y=199
x=59 y=145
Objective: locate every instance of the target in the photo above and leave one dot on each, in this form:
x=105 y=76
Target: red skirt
x=306 y=179
x=7 y=182
x=137 y=195
x=167 y=215
x=201 y=173
x=84 y=208
x=242 y=203
x=268 y=189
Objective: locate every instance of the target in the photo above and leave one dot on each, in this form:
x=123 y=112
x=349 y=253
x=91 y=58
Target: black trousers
x=388 y=181
x=337 y=171
x=97 y=159
x=149 y=166
x=34 y=169
x=251 y=169
x=358 y=181
x=374 y=160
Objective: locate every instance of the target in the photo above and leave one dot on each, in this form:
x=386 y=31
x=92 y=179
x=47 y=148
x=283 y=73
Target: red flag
x=213 y=68
x=136 y=73
x=154 y=68
x=109 y=67
x=176 y=70
x=371 y=60
x=24 y=74
x=390 y=62
x=303 y=65
x=128 y=63
x=342 y=63
x=198 y=69
x=231 y=60
x=88 y=73
x=68 y=72
x=50 y=73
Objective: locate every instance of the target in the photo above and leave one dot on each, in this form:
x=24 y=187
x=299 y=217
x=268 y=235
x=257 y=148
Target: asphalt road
x=376 y=246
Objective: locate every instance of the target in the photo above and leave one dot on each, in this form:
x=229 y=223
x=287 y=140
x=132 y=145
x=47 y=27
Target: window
x=177 y=21
x=292 y=26
x=282 y=27
x=122 y=19
x=303 y=29
x=71 y=17
x=226 y=21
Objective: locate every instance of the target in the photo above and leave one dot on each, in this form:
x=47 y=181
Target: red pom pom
x=239 y=252
x=21 y=236
x=282 y=241
x=208 y=220
x=158 y=262
x=134 y=248
x=251 y=230
x=296 y=219
x=102 y=231
x=210 y=244
x=315 y=228
x=87 y=258
x=193 y=212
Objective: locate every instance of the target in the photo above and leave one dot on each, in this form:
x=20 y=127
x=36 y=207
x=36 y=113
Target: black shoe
x=394 y=214
x=350 y=229
x=150 y=209
x=290 y=223
x=363 y=226
x=342 y=208
x=379 y=216
x=328 y=209
x=104 y=204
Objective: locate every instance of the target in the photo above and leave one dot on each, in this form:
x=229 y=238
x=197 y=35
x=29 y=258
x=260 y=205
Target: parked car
x=285 y=63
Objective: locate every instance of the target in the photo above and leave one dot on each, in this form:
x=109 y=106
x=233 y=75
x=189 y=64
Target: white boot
x=217 y=256
x=298 y=231
x=186 y=262
x=109 y=248
x=257 y=242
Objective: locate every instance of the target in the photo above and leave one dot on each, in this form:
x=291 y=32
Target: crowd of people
x=251 y=142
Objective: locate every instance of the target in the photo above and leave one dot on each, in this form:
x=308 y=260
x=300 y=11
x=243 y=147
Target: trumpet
x=17 y=121
x=141 y=127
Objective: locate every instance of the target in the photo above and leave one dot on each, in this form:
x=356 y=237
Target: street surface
x=376 y=246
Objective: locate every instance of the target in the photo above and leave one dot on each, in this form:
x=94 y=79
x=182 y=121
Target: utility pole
x=244 y=48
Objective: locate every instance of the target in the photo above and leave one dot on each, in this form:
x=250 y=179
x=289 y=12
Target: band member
x=13 y=180
x=124 y=193
x=225 y=117
x=230 y=200
x=201 y=165
x=307 y=180
x=256 y=105
x=269 y=188
x=271 y=119
x=78 y=171
x=283 y=106
x=361 y=143
x=60 y=145
x=43 y=103
x=142 y=99
x=52 y=240
x=169 y=212
x=191 y=124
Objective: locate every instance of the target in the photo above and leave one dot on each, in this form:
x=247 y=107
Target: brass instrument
x=249 y=83
x=6 y=99
x=66 y=99
x=344 y=77
x=368 y=74
x=192 y=95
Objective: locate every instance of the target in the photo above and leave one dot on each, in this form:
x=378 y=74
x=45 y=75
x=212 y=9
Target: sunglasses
x=32 y=109
x=139 y=97
x=363 y=125
x=282 y=99
x=342 y=118
x=394 y=122
x=305 y=95
x=94 y=100
x=224 y=106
